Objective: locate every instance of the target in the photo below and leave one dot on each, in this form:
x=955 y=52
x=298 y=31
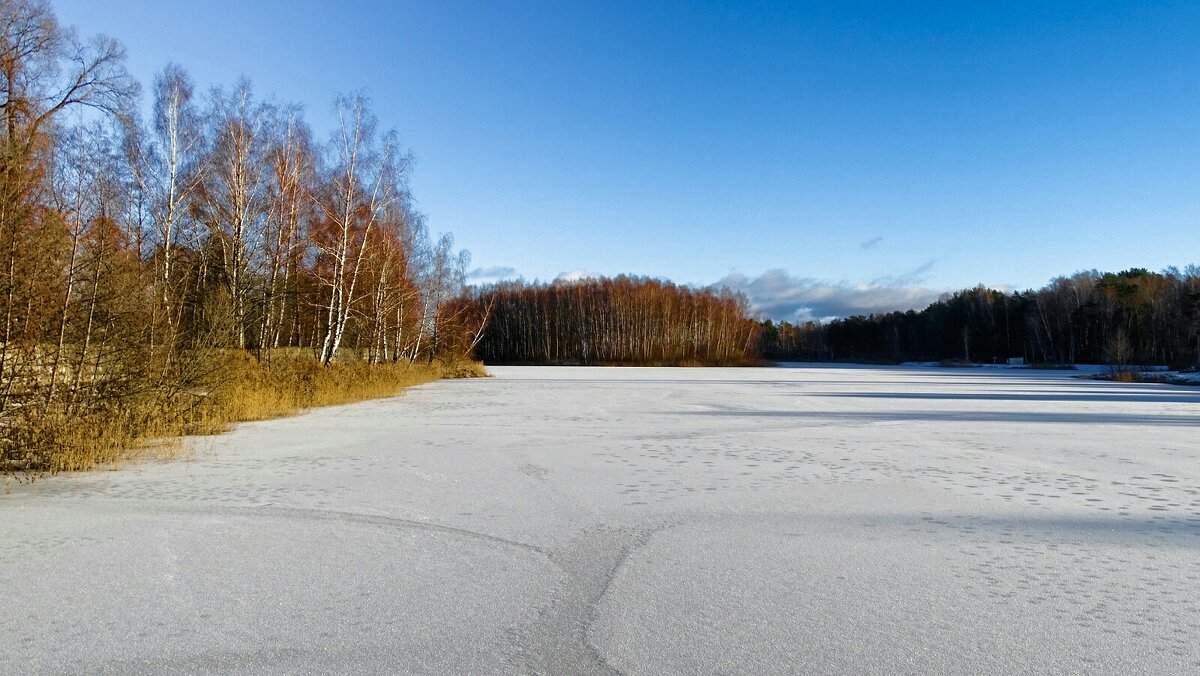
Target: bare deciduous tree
x=367 y=178
x=232 y=197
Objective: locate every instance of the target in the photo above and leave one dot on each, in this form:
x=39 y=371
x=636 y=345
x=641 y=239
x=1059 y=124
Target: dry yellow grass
x=240 y=388
x=249 y=390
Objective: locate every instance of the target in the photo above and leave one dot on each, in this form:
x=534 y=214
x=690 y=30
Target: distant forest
x=626 y=320
x=1130 y=317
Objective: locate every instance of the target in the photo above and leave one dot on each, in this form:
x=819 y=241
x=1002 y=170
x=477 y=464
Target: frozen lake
x=586 y=520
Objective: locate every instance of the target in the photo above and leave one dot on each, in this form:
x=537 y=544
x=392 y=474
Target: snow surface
x=586 y=520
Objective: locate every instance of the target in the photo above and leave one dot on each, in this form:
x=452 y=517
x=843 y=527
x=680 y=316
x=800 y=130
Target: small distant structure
x=1016 y=361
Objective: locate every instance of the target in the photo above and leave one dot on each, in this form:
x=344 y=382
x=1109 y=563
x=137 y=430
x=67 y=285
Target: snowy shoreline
x=647 y=520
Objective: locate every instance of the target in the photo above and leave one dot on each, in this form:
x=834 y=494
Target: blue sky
x=825 y=158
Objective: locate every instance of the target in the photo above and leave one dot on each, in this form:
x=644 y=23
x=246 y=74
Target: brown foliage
x=624 y=320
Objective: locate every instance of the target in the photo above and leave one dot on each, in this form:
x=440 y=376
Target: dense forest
x=1130 y=317
x=625 y=320
x=149 y=265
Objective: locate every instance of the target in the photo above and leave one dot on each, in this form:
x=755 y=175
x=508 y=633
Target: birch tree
x=290 y=194
x=174 y=162
x=366 y=178
x=231 y=199
x=443 y=281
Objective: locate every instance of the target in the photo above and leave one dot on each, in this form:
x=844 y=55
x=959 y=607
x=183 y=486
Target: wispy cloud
x=914 y=277
x=495 y=272
x=871 y=243
x=779 y=295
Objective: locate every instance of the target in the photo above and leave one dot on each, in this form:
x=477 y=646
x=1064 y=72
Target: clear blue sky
x=879 y=149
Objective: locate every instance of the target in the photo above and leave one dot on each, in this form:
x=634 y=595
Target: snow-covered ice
x=587 y=520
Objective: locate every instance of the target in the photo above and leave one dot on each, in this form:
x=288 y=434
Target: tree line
x=137 y=254
x=622 y=320
x=1129 y=317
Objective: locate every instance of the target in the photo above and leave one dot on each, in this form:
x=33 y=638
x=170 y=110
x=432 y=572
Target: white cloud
x=576 y=275
x=779 y=295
